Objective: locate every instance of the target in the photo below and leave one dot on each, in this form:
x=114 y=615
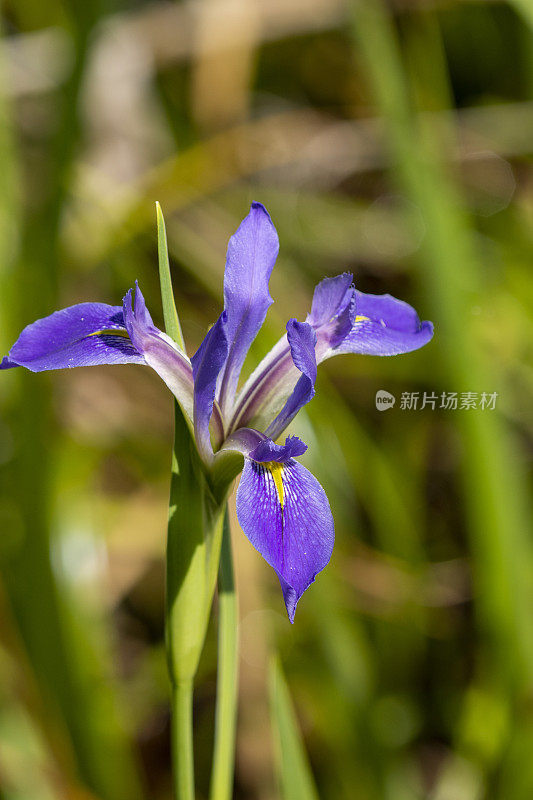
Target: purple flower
x=281 y=507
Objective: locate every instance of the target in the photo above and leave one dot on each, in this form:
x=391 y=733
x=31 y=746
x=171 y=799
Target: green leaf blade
x=295 y=776
x=170 y=314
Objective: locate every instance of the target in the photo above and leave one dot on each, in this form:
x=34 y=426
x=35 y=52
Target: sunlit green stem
x=193 y=548
x=182 y=741
x=226 y=703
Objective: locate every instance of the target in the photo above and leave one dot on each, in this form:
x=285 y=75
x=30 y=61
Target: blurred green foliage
x=393 y=140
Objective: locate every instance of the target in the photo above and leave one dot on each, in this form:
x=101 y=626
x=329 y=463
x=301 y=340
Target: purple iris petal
x=158 y=350
x=333 y=308
x=243 y=441
x=268 y=450
x=206 y=365
x=277 y=380
x=302 y=341
x=285 y=514
x=252 y=252
x=384 y=326
x=83 y=335
x=137 y=318
x=345 y=321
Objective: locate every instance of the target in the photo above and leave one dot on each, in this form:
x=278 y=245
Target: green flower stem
x=193 y=549
x=226 y=703
x=182 y=741
x=195 y=524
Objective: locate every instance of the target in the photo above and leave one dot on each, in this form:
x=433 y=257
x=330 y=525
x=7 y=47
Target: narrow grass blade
x=170 y=314
x=69 y=671
x=493 y=487
x=295 y=777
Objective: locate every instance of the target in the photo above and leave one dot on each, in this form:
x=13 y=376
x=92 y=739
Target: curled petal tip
x=330 y=298
x=7 y=364
x=256 y=205
x=267 y=450
x=290 y=598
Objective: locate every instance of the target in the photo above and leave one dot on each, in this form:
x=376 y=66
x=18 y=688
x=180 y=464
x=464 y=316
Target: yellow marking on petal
x=276 y=470
x=111 y=332
x=360 y=318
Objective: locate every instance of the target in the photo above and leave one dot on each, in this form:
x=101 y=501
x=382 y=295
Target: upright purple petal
x=302 y=340
x=252 y=252
x=206 y=365
x=285 y=514
x=384 y=326
x=83 y=335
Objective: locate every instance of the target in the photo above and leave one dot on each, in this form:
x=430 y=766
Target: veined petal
x=285 y=514
x=83 y=335
x=158 y=350
x=345 y=321
x=302 y=340
x=384 y=326
x=252 y=252
x=206 y=365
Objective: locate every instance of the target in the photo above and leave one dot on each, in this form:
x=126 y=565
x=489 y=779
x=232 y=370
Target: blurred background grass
x=393 y=140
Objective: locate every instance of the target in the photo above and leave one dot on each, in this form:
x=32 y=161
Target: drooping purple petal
x=384 y=326
x=83 y=335
x=285 y=514
x=302 y=340
x=158 y=350
x=206 y=365
x=252 y=252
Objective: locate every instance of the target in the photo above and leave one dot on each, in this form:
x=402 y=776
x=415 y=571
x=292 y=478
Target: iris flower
x=281 y=507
